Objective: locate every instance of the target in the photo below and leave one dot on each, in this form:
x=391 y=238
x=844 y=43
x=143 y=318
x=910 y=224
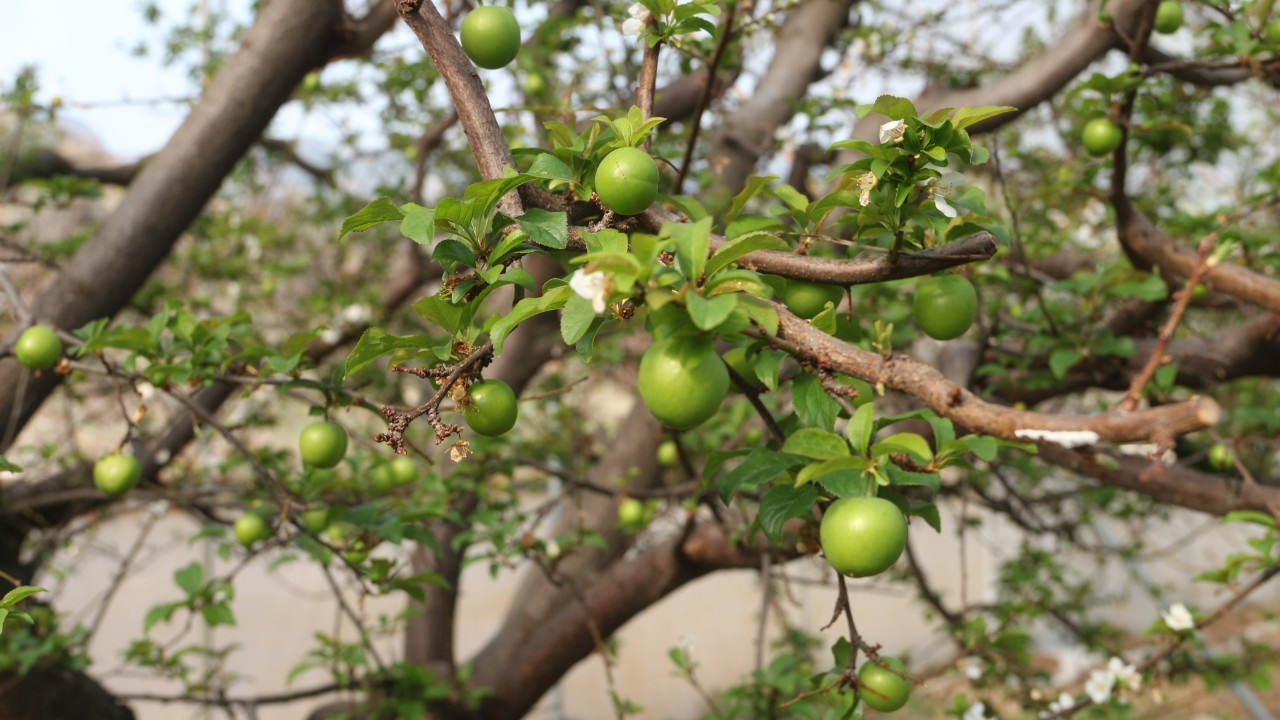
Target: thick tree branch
x=288 y=39
x=1140 y=237
x=1247 y=350
x=953 y=401
x=633 y=455
x=1212 y=494
x=622 y=591
x=748 y=133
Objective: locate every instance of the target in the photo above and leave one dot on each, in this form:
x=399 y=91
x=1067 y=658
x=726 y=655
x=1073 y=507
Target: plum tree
x=1108 y=192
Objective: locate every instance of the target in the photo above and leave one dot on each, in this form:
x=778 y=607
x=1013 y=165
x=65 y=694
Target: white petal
x=632 y=26
x=943 y=206
x=1098 y=688
x=1178 y=618
x=891 y=132
x=949 y=184
x=638 y=11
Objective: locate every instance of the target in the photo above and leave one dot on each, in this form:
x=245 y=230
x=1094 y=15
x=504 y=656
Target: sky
x=84 y=56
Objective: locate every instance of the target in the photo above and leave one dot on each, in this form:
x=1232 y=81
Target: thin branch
x=1157 y=357
x=704 y=97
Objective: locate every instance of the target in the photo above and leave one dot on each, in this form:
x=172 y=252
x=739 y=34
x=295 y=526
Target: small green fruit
x=807 y=299
x=38 y=347
x=668 y=453
x=323 y=444
x=682 y=381
x=1168 y=16
x=249 y=528
x=491 y=36
x=1220 y=457
x=381 y=479
x=627 y=181
x=117 y=474
x=631 y=513
x=317 y=520
x=862 y=536
x=403 y=470
x=1101 y=136
x=884 y=689
x=492 y=408
x=945 y=306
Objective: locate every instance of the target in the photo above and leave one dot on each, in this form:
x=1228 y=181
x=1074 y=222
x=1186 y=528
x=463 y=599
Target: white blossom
x=976 y=711
x=1064 y=701
x=590 y=286
x=972 y=667
x=1126 y=674
x=892 y=132
x=866 y=183
x=944 y=187
x=330 y=336
x=1178 y=618
x=1065 y=438
x=637 y=18
x=1099 y=685
x=356 y=314
x=552 y=549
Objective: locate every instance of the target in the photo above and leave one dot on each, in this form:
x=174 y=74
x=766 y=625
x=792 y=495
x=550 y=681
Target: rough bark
x=748 y=133
x=287 y=40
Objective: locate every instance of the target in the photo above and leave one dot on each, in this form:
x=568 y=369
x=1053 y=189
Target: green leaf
x=760 y=466
x=908 y=443
x=548 y=229
x=816 y=443
x=553 y=299
x=548 y=167
x=741 y=246
x=894 y=108
x=450 y=317
x=419 y=224
x=4 y=614
x=708 y=314
x=7 y=466
x=982 y=445
x=753 y=186
x=217 y=614
x=967 y=116
x=899 y=476
x=814 y=406
x=190 y=578
x=781 y=504
x=159 y=613
x=823 y=468
x=1062 y=360
x=377 y=212
x=859 y=430
x=692 y=241
x=760 y=312
x=376 y=342
x=1247 y=516
x=576 y=319
x=18 y=594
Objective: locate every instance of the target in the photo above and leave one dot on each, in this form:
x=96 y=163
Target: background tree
x=1124 y=329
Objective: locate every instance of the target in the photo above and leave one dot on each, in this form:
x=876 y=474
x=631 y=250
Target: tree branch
x=953 y=401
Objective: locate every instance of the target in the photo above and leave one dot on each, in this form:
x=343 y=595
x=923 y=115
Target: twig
x=118 y=579
x=1134 y=394
x=648 y=78
x=695 y=123
x=398 y=422
x=753 y=397
x=353 y=617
